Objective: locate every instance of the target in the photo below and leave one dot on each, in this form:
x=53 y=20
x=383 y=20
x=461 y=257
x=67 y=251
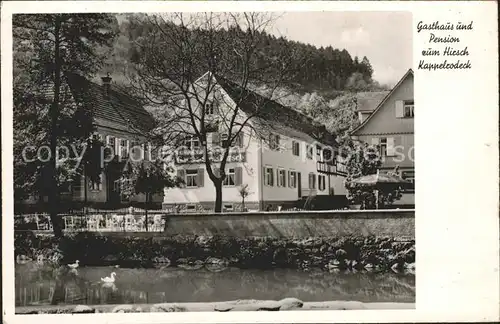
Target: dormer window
x=209 y=109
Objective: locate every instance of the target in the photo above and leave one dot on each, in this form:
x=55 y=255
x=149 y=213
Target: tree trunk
x=53 y=194
x=242 y=204
x=146 y=209
x=218 y=196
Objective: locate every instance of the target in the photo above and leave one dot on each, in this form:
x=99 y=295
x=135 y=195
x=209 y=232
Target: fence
x=130 y=219
x=125 y=219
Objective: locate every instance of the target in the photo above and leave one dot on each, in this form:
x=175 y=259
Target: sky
x=385 y=38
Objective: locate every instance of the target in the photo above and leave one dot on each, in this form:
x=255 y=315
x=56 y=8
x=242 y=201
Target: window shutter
x=289 y=180
x=182 y=175
x=201 y=177
x=399 y=109
x=390 y=146
x=241 y=139
x=237 y=176
x=215 y=139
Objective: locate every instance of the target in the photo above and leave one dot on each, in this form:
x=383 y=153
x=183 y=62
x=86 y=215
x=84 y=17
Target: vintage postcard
x=242 y=162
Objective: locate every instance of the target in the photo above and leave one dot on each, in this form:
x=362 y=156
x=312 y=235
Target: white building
x=278 y=153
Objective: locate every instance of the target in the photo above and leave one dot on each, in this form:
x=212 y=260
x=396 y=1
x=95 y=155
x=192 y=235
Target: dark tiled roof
x=118 y=110
x=278 y=116
x=368 y=101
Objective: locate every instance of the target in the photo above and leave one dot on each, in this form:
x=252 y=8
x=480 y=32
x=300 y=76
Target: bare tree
x=181 y=64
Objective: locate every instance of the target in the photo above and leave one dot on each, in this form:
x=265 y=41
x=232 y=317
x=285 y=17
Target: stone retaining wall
x=301 y=224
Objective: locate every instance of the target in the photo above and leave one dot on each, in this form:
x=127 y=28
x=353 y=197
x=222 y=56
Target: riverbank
x=237 y=305
x=357 y=252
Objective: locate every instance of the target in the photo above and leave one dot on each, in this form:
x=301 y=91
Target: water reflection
x=42 y=285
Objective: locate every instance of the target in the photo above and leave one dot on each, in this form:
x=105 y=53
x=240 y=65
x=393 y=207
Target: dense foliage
x=46 y=49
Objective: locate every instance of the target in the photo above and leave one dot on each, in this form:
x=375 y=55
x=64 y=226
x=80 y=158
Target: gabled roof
x=118 y=110
x=367 y=120
x=369 y=101
x=271 y=112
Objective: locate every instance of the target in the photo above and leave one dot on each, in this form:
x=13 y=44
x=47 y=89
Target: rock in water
x=126 y=309
x=290 y=303
x=167 y=308
x=83 y=309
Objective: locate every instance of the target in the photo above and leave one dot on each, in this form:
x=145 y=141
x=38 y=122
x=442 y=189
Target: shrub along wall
x=360 y=240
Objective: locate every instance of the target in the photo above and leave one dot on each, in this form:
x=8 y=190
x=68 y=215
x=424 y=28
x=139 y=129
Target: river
x=43 y=285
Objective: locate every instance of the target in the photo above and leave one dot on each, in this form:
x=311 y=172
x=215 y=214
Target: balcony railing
x=198 y=156
x=335 y=168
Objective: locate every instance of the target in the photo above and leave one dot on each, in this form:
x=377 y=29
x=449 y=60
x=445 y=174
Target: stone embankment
x=377 y=253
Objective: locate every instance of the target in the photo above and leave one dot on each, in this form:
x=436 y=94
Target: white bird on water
x=109 y=279
x=74 y=265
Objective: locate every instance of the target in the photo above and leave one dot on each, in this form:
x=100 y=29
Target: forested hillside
x=322 y=83
x=327 y=70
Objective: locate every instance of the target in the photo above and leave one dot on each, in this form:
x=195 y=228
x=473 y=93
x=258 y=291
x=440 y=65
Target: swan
x=74 y=265
x=109 y=279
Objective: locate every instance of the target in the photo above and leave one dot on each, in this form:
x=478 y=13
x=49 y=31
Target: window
x=408 y=175
x=209 y=108
x=269 y=176
x=192 y=142
x=312 y=181
x=274 y=142
x=328 y=155
x=383 y=146
x=97 y=137
x=191 y=178
x=309 y=152
x=281 y=178
x=408 y=109
x=96 y=185
x=296 y=148
x=110 y=146
x=321 y=182
x=230 y=178
x=224 y=140
x=123 y=148
x=292 y=181
x=318 y=153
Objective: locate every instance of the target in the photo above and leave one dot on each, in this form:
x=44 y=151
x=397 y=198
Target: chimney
x=106 y=84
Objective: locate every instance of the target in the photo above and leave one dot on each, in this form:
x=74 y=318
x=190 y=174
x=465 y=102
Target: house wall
x=285 y=159
x=204 y=195
x=384 y=123
x=252 y=170
x=101 y=195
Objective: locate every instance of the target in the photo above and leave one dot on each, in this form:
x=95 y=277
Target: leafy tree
x=47 y=47
x=362 y=160
x=147 y=178
x=244 y=192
